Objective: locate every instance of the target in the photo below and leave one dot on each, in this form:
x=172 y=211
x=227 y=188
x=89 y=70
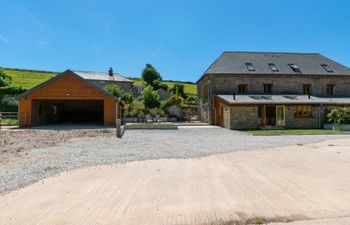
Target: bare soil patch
x=15 y=143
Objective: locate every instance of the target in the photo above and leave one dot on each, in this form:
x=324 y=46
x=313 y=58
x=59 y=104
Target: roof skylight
x=327 y=68
x=250 y=67
x=273 y=67
x=294 y=67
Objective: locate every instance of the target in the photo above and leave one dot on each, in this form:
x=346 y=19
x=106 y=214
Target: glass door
x=280 y=116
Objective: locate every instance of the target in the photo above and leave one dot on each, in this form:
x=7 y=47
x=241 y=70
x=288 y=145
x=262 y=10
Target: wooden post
x=118 y=124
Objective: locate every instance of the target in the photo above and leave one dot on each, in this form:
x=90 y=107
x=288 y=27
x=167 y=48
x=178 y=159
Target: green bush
x=134 y=109
x=10 y=90
x=128 y=97
x=339 y=116
x=179 y=90
x=159 y=85
x=191 y=100
x=157 y=111
x=113 y=90
x=5 y=80
x=150 y=98
x=173 y=100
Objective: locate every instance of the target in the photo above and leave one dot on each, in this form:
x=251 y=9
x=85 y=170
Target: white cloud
x=3 y=39
x=42 y=43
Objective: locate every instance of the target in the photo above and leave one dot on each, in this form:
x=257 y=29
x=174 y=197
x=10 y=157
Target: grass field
x=295 y=131
x=30 y=78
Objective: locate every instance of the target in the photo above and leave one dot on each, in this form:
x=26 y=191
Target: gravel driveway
x=37 y=164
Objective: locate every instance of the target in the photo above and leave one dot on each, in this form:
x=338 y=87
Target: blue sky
x=180 y=38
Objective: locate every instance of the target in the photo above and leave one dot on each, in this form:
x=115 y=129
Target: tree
x=150 y=75
x=5 y=80
x=178 y=89
x=339 y=116
x=114 y=90
x=150 y=98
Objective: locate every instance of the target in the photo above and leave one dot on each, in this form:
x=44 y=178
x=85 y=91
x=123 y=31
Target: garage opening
x=48 y=112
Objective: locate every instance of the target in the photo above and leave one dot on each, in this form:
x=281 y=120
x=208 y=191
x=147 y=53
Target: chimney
x=110 y=72
x=234 y=96
x=308 y=95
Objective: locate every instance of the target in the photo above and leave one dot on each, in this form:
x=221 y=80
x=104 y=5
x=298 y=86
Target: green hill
x=30 y=78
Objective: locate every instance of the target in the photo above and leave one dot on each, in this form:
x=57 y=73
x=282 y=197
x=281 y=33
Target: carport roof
x=283 y=99
x=76 y=76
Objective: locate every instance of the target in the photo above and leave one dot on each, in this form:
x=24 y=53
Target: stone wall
x=203 y=109
x=244 y=118
x=203 y=113
x=282 y=84
x=292 y=121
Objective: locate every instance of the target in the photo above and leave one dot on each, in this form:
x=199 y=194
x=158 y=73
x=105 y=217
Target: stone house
x=250 y=90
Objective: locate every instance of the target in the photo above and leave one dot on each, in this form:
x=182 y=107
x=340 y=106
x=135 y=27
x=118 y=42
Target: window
x=330 y=89
x=267 y=88
x=307 y=89
x=294 y=67
x=242 y=88
x=250 y=67
x=327 y=68
x=206 y=94
x=304 y=111
x=273 y=67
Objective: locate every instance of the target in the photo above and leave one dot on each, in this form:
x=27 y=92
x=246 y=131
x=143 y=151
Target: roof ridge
x=93 y=72
x=253 y=52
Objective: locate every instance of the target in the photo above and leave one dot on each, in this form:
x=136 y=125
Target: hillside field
x=30 y=78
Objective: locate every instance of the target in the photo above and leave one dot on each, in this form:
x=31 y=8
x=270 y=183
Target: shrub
x=157 y=111
x=128 y=97
x=150 y=98
x=5 y=80
x=173 y=100
x=10 y=90
x=339 y=116
x=191 y=100
x=113 y=90
x=178 y=89
x=159 y=85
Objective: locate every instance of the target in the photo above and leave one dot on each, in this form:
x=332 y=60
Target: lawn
x=295 y=131
x=9 y=122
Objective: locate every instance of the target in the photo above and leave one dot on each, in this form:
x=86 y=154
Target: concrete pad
x=311 y=181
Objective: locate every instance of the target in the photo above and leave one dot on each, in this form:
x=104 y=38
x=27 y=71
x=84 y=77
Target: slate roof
x=283 y=99
x=101 y=76
x=309 y=63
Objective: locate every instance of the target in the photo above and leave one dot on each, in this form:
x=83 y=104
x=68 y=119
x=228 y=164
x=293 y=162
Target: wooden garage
x=68 y=99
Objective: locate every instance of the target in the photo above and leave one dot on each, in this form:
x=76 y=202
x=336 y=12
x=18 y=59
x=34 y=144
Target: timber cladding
x=67 y=87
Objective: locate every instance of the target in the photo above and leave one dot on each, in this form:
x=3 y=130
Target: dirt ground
x=13 y=142
x=297 y=182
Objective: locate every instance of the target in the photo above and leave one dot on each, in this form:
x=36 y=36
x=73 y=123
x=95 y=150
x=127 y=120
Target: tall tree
x=150 y=75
